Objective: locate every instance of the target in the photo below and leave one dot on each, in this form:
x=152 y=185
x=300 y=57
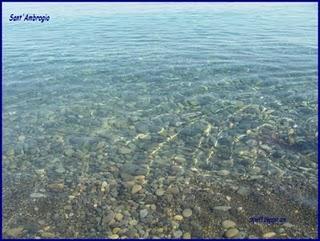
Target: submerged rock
x=136 y=188
x=233 y=232
x=269 y=235
x=223 y=173
x=109 y=218
x=160 y=192
x=228 y=224
x=143 y=213
x=124 y=150
x=37 y=195
x=15 y=232
x=177 y=234
x=56 y=187
x=187 y=213
x=222 y=208
x=178 y=217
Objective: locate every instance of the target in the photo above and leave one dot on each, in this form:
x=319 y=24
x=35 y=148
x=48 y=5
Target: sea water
x=159 y=119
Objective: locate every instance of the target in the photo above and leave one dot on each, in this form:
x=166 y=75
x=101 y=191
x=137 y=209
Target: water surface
x=198 y=105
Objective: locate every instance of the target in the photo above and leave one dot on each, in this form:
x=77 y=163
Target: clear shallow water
x=203 y=98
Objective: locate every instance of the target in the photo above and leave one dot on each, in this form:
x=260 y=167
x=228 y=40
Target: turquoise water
x=199 y=101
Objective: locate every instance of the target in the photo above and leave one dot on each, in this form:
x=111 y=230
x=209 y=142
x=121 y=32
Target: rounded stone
x=124 y=150
x=288 y=225
x=108 y=218
x=177 y=233
x=228 y=224
x=187 y=213
x=223 y=173
x=119 y=216
x=15 y=232
x=269 y=235
x=187 y=235
x=136 y=188
x=143 y=213
x=233 y=232
x=114 y=236
x=116 y=230
x=222 y=208
x=56 y=187
x=178 y=218
x=133 y=222
x=159 y=192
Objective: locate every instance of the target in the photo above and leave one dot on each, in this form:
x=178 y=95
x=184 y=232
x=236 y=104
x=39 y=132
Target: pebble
x=269 y=235
x=69 y=152
x=56 y=187
x=37 y=195
x=116 y=230
x=180 y=159
x=177 y=233
x=114 y=236
x=108 y=218
x=223 y=173
x=175 y=225
x=178 y=218
x=136 y=188
x=124 y=150
x=40 y=172
x=42 y=222
x=187 y=235
x=256 y=170
x=60 y=170
x=243 y=191
x=48 y=235
x=228 y=224
x=133 y=222
x=119 y=216
x=256 y=177
x=21 y=138
x=187 y=213
x=104 y=186
x=140 y=179
x=288 y=225
x=159 y=192
x=15 y=232
x=240 y=209
x=233 y=232
x=143 y=213
x=266 y=148
x=222 y=208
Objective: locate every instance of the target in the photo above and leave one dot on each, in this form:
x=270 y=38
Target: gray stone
x=69 y=152
x=37 y=195
x=109 y=218
x=222 y=208
x=177 y=233
x=288 y=225
x=15 y=232
x=187 y=212
x=143 y=213
x=223 y=173
x=60 y=170
x=159 y=192
x=243 y=191
x=124 y=150
x=233 y=232
x=269 y=235
x=228 y=224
